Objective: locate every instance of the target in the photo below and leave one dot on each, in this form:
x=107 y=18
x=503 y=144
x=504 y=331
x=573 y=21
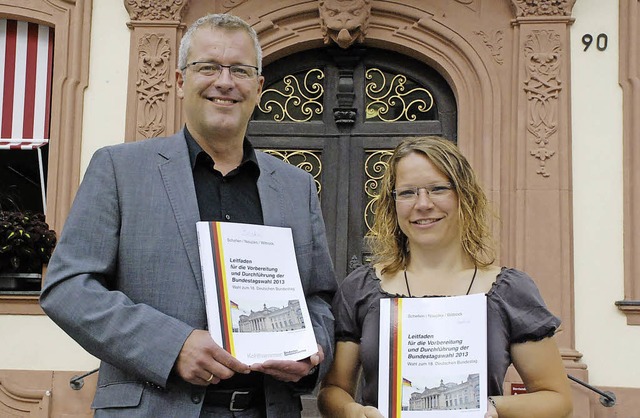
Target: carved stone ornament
x=494 y=42
x=15 y=400
x=155 y=9
x=542 y=86
x=344 y=21
x=527 y=8
x=230 y=4
x=153 y=84
x=344 y=116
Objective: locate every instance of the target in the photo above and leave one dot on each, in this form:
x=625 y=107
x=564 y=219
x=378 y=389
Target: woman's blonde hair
x=389 y=244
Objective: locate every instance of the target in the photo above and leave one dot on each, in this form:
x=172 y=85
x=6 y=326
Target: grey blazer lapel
x=177 y=175
x=269 y=189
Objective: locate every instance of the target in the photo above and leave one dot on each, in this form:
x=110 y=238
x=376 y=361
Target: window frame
x=72 y=23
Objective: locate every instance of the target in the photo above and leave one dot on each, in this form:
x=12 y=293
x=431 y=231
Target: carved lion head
x=344 y=21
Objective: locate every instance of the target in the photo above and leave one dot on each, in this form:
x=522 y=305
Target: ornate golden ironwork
x=309 y=161
x=395 y=99
x=296 y=97
x=374 y=167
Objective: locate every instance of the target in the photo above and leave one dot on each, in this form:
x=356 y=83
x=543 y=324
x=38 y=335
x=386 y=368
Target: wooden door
x=337 y=113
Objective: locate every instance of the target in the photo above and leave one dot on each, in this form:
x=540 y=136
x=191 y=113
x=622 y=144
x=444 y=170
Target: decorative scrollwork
x=542 y=86
x=393 y=100
x=155 y=9
x=494 y=44
x=297 y=98
x=543 y=7
x=374 y=168
x=354 y=263
x=307 y=160
x=230 y=4
x=152 y=84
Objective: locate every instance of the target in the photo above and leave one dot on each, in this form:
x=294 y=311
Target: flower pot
x=20 y=282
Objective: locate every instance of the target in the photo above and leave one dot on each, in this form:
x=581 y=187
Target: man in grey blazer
x=125 y=280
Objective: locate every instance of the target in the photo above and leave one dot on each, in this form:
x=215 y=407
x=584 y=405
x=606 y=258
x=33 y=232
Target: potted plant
x=26 y=244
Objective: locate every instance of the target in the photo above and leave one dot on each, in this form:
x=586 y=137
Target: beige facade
x=546 y=121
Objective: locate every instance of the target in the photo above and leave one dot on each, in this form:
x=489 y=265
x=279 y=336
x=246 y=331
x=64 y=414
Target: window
x=68 y=69
x=26 y=62
x=26 y=49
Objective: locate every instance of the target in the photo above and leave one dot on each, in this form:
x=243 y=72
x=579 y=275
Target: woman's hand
x=491 y=411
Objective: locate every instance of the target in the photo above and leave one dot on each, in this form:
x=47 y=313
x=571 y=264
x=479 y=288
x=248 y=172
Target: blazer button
x=196 y=398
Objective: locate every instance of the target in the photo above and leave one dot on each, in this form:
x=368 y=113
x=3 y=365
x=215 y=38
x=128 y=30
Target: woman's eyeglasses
x=410 y=194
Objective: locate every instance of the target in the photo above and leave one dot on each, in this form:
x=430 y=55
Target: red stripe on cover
x=223 y=296
x=394 y=362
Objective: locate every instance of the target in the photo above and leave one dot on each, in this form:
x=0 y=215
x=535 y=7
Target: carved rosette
x=542 y=87
x=155 y=9
x=153 y=84
x=528 y=8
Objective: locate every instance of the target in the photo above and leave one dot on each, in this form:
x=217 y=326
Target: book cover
x=256 y=309
x=433 y=357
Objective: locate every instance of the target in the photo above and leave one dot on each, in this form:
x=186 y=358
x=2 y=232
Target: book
x=255 y=304
x=433 y=357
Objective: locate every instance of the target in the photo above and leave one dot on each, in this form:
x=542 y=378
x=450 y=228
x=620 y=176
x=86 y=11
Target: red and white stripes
x=26 y=65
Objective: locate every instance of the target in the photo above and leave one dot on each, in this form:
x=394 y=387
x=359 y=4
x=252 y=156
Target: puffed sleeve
x=348 y=305
x=524 y=313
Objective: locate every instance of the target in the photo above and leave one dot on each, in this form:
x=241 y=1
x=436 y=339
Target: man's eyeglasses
x=213 y=69
x=434 y=191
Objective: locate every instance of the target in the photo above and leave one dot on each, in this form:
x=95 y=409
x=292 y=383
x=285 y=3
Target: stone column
x=542 y=140
x=152 y=108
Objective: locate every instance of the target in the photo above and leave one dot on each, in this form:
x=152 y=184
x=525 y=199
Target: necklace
x=406 y=281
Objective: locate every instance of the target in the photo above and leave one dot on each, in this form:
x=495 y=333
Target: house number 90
x=601 y=41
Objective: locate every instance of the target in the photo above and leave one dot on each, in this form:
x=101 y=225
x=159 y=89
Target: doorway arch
x=338 y=114
x=487 y=52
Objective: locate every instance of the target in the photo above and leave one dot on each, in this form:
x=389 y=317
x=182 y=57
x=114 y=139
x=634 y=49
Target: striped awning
x=26 y=65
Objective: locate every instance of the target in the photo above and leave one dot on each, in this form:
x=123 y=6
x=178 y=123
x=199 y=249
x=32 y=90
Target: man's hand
x=290 y=371
x=202 y=362
x=356 y=410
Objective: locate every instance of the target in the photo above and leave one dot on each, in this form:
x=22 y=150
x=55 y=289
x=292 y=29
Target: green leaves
x=26 y=242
